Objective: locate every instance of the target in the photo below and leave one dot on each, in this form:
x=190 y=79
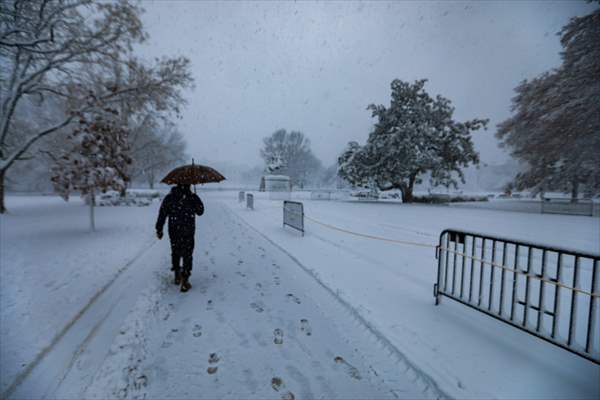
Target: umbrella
x=192 y=174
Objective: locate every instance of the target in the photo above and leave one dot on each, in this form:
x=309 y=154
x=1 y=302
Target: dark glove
x=159 y=234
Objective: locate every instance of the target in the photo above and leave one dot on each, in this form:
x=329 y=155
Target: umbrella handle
x=194 y=184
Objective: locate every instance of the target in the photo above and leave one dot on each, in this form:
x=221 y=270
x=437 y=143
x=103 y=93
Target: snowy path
x=255 y=325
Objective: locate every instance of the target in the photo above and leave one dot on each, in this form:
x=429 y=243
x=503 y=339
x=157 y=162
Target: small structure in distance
x=278 y=187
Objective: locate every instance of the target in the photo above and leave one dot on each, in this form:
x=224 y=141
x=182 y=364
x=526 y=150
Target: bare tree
x=63 y=50
x=155 y=148
x=290 y=154
x=95 y=159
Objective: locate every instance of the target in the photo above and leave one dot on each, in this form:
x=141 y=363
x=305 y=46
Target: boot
x=185 y=284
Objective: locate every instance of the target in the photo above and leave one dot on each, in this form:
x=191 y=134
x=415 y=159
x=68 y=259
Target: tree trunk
x=574 y=192
x=92 y=204
x=2 y=207
x=151 y=179
x=407 y=191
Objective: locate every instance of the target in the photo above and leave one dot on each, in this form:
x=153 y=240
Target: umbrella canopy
x=192 y=174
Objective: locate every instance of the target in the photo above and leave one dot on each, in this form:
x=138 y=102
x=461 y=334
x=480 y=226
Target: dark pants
x=182 y=248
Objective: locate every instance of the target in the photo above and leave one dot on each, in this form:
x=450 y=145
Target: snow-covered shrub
x=365 y=195
x=112 y=198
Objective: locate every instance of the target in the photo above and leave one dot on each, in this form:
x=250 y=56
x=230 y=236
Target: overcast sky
x=314 y=67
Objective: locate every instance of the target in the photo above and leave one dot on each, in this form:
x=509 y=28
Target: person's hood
x=178 y=192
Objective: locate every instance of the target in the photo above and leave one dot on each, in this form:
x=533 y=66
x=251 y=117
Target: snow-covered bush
x=365 y=195
x=136 y=199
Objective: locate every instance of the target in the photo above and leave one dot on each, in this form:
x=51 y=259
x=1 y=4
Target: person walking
x=180 y=206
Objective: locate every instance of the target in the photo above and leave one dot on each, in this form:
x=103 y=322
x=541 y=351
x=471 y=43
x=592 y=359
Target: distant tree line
x=73 y=94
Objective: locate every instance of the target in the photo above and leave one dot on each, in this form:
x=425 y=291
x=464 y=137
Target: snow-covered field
x=51 y=266
x=271 y=314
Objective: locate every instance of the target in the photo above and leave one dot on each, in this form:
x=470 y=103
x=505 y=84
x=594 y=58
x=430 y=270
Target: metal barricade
x=293 y=215
x=549 y=292
x=241 y=197
x=250 y=201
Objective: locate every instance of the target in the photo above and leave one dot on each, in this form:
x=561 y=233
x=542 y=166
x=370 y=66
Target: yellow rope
x=370 y=236
x=542 y=279
x=477 y=259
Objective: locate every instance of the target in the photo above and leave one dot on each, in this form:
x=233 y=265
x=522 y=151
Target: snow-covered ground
x=51 y=267
x=467 y=353
x=271 y=314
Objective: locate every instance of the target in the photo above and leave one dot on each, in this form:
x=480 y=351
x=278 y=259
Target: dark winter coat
x=181 y=207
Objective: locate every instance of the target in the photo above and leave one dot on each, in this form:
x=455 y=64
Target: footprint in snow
x=258 y=288
x=292 y=297
x=213 y=359
x=243 y=275
x=257 y=306
x=209 y=305
x=197 y=330
x=276 y=383
x=288 y=396
x=278 y=336
x=350 y=369
x=140 y=382
x=305 y=327
x=278 y=386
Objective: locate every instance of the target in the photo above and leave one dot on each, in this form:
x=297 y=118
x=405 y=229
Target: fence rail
x=549 y=292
